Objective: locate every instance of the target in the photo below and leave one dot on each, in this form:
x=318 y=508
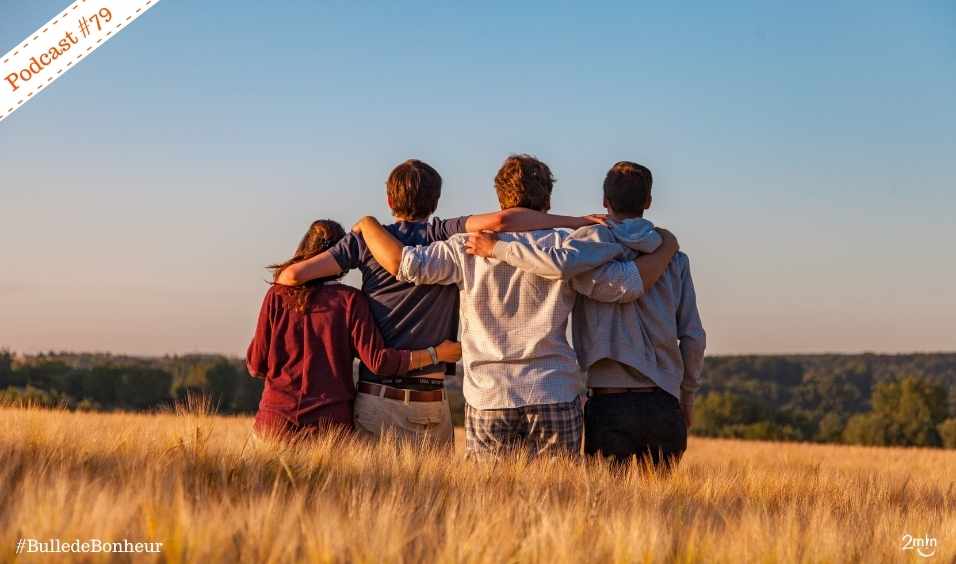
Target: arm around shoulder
x=523 y=219
x=436 y=264
x=573 y=256
x=322 y=265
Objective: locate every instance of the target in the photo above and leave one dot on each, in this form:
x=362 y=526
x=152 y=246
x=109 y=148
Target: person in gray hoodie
x=643 y=354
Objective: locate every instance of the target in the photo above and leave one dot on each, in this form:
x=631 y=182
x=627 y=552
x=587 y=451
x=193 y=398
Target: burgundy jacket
x=306 y=357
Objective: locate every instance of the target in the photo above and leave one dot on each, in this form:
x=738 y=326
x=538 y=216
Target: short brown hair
x=413 y=189
x=627 y=187
x=524 y=182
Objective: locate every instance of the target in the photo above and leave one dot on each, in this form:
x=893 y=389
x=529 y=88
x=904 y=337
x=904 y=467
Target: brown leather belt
x=608 y=391
x=400 y=394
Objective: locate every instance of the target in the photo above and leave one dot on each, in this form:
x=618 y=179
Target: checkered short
x=538 y=429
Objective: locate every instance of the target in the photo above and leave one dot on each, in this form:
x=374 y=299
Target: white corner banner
x=57 y=46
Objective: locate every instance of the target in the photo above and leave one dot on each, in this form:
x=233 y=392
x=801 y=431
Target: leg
x=430 y=422
x=489 y=431
x=645 y=425
x=554 y=428
x=612 y=428
x=665 y=433
x=418 y=422
x=273 y=427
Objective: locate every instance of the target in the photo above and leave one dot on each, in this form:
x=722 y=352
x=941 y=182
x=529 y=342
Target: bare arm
x=654 y=265
x=322 y=265
x=523 y=219
x=386 y=249
x=432 y=264
x=447 y=352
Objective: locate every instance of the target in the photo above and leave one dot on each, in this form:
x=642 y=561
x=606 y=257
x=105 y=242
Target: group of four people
x=507 y=282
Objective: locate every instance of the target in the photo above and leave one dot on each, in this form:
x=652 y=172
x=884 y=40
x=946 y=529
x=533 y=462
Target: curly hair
x=524 y=182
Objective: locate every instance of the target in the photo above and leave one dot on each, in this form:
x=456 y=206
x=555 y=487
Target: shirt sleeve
x=257 y=356
x=690 y=333
x=572 y=257
x=437 y=263
x=443 y=229
x=347 y=252
x=614 y=282
x=368 y=344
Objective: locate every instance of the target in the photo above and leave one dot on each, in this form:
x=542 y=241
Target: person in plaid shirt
x=522 y=380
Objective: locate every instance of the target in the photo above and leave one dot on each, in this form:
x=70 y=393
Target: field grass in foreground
x=200 y=485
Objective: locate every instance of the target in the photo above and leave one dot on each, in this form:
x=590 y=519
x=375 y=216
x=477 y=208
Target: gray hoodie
x=658 y=333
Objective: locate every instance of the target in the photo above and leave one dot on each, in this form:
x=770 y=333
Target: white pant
x=416 y=420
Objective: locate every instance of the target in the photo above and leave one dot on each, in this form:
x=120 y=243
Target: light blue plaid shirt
x=514 y=341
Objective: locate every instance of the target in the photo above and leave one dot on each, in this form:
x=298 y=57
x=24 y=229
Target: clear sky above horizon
x=803 y=153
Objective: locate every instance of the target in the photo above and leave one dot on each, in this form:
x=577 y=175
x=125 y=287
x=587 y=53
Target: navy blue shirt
x=409 y=316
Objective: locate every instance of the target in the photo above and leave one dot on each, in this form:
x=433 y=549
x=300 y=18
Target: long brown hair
x=321 y=236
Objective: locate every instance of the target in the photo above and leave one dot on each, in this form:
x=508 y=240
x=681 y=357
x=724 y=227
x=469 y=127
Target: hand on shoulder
x=668 y=240
x=481 y=244
x=362 y=223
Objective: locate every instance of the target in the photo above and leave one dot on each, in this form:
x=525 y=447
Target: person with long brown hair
x=306 y=339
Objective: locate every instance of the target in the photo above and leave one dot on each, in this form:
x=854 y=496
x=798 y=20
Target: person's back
x=409 y=316
x=522 y=381
x=643 y=358
x=644 y=334
x=642 y=352
x=514 y=324
x=306 y=339
x=304 y=352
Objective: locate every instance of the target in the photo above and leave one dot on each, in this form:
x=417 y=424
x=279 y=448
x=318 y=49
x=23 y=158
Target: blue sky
x=803 y=154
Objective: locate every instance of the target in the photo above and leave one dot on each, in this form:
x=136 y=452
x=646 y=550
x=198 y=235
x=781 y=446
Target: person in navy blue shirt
x=412 y=317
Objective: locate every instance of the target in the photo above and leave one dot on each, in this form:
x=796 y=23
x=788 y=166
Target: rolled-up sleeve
x=437 y=263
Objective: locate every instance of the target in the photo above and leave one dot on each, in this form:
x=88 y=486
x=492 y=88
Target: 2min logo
x=924 y=546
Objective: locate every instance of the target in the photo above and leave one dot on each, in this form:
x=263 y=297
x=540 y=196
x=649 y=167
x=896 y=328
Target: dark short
x=644 y=426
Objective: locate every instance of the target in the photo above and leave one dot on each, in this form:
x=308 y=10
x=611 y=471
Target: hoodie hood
x=637 y=234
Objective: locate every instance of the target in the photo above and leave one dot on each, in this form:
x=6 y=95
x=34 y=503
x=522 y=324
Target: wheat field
x=207 y=490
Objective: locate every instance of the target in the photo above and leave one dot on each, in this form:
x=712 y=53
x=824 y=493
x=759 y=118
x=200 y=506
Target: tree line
x=868 y=399
x=111 y=382
x=898 y=400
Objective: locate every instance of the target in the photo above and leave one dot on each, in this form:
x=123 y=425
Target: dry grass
x=202 y=486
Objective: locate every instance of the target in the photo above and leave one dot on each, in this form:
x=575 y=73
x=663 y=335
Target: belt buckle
x=408 y=396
